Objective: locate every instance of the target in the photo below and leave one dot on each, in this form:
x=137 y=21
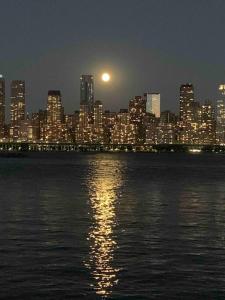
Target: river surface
x=112 y=226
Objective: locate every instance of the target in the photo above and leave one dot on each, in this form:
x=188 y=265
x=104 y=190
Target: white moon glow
x=105 y=77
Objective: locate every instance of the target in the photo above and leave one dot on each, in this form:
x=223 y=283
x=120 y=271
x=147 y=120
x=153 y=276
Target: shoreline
x=10 y=148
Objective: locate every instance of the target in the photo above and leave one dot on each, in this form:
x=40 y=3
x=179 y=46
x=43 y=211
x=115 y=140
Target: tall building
x=186 y=103
x=207 y=124
x=153 y=103
x=220 y=116
x=98 y=114
x=71 y=122
x=54 y=108
x=189 y=111
x=84 y=128
x=124 y=132
x=108 y=120
x=55 y=130
x=2 y=106
x=137 y=110
x=97 y=135
x=87 y=91
x=166 y=129
x=17 y=109
x=39 y=121
x=17 y=102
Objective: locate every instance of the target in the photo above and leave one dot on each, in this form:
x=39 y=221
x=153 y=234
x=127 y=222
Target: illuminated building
x=17 y=108
x=189 y=111
x=124 y=132
x=98 y=114
x=27 y=132
x=108 y=120
x=153 y=103
x=2 y=107
x=87 y=91
x=84 y=128
x=137 y=110
x=17 y=101
x=54 y=108
x=150 y=123
x=55 y=129
x=151 y=134
x=71 y=122
x=165 y=133
x=97 y=135
x=220 y=116
x=207 y=124
x=186 y=103
x=39 y=124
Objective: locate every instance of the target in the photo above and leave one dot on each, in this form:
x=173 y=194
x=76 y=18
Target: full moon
x=105 y=77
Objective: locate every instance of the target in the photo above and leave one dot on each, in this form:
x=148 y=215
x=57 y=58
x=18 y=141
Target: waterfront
x=117 y=226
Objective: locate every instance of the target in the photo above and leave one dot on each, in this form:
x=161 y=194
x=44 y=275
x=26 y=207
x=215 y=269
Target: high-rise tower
x=17 y=102
x=87 y=91
x=2 y=105
x=153 y=103
x=220 y=116
x=54 y=108
x=54 y=132
x=186 y=102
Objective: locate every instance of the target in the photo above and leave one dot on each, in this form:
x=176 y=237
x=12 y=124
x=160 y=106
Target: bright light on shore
x=195 y=150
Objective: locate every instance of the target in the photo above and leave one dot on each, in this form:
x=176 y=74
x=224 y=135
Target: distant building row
x=141 y=123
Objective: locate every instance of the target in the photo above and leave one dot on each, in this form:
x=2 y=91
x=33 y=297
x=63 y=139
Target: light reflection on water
x=104 y=183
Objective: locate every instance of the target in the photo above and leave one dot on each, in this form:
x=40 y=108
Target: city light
x=142 y=124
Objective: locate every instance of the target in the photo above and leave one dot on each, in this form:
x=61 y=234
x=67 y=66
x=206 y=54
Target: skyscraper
x=189 y=110
x=186 y=102
x=137 y=110
x=54 y=130
x=207 y=124
x=17 y=109
x=54 y=108
x=153 y=103
x=84 y=128
x=2 y=105
x=17 y=102
x=98 y=114
x=220 y=116
x=87 y=91
x=97 y=136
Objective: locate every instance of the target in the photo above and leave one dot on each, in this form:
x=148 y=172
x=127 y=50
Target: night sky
x=146 y=45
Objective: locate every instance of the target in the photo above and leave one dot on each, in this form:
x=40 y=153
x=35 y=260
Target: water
x=112 y=226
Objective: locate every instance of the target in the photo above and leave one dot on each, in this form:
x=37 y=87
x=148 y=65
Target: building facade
x=55 y=129
x=153 y=103
x=220 y=116
x=17 y=108
x=87 y=91
x=2 y=107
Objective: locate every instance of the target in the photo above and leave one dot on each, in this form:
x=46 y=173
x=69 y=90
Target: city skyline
x=141 y=122
x=146 y=93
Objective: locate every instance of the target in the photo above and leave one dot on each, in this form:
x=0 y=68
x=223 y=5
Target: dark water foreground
x=114 y=226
